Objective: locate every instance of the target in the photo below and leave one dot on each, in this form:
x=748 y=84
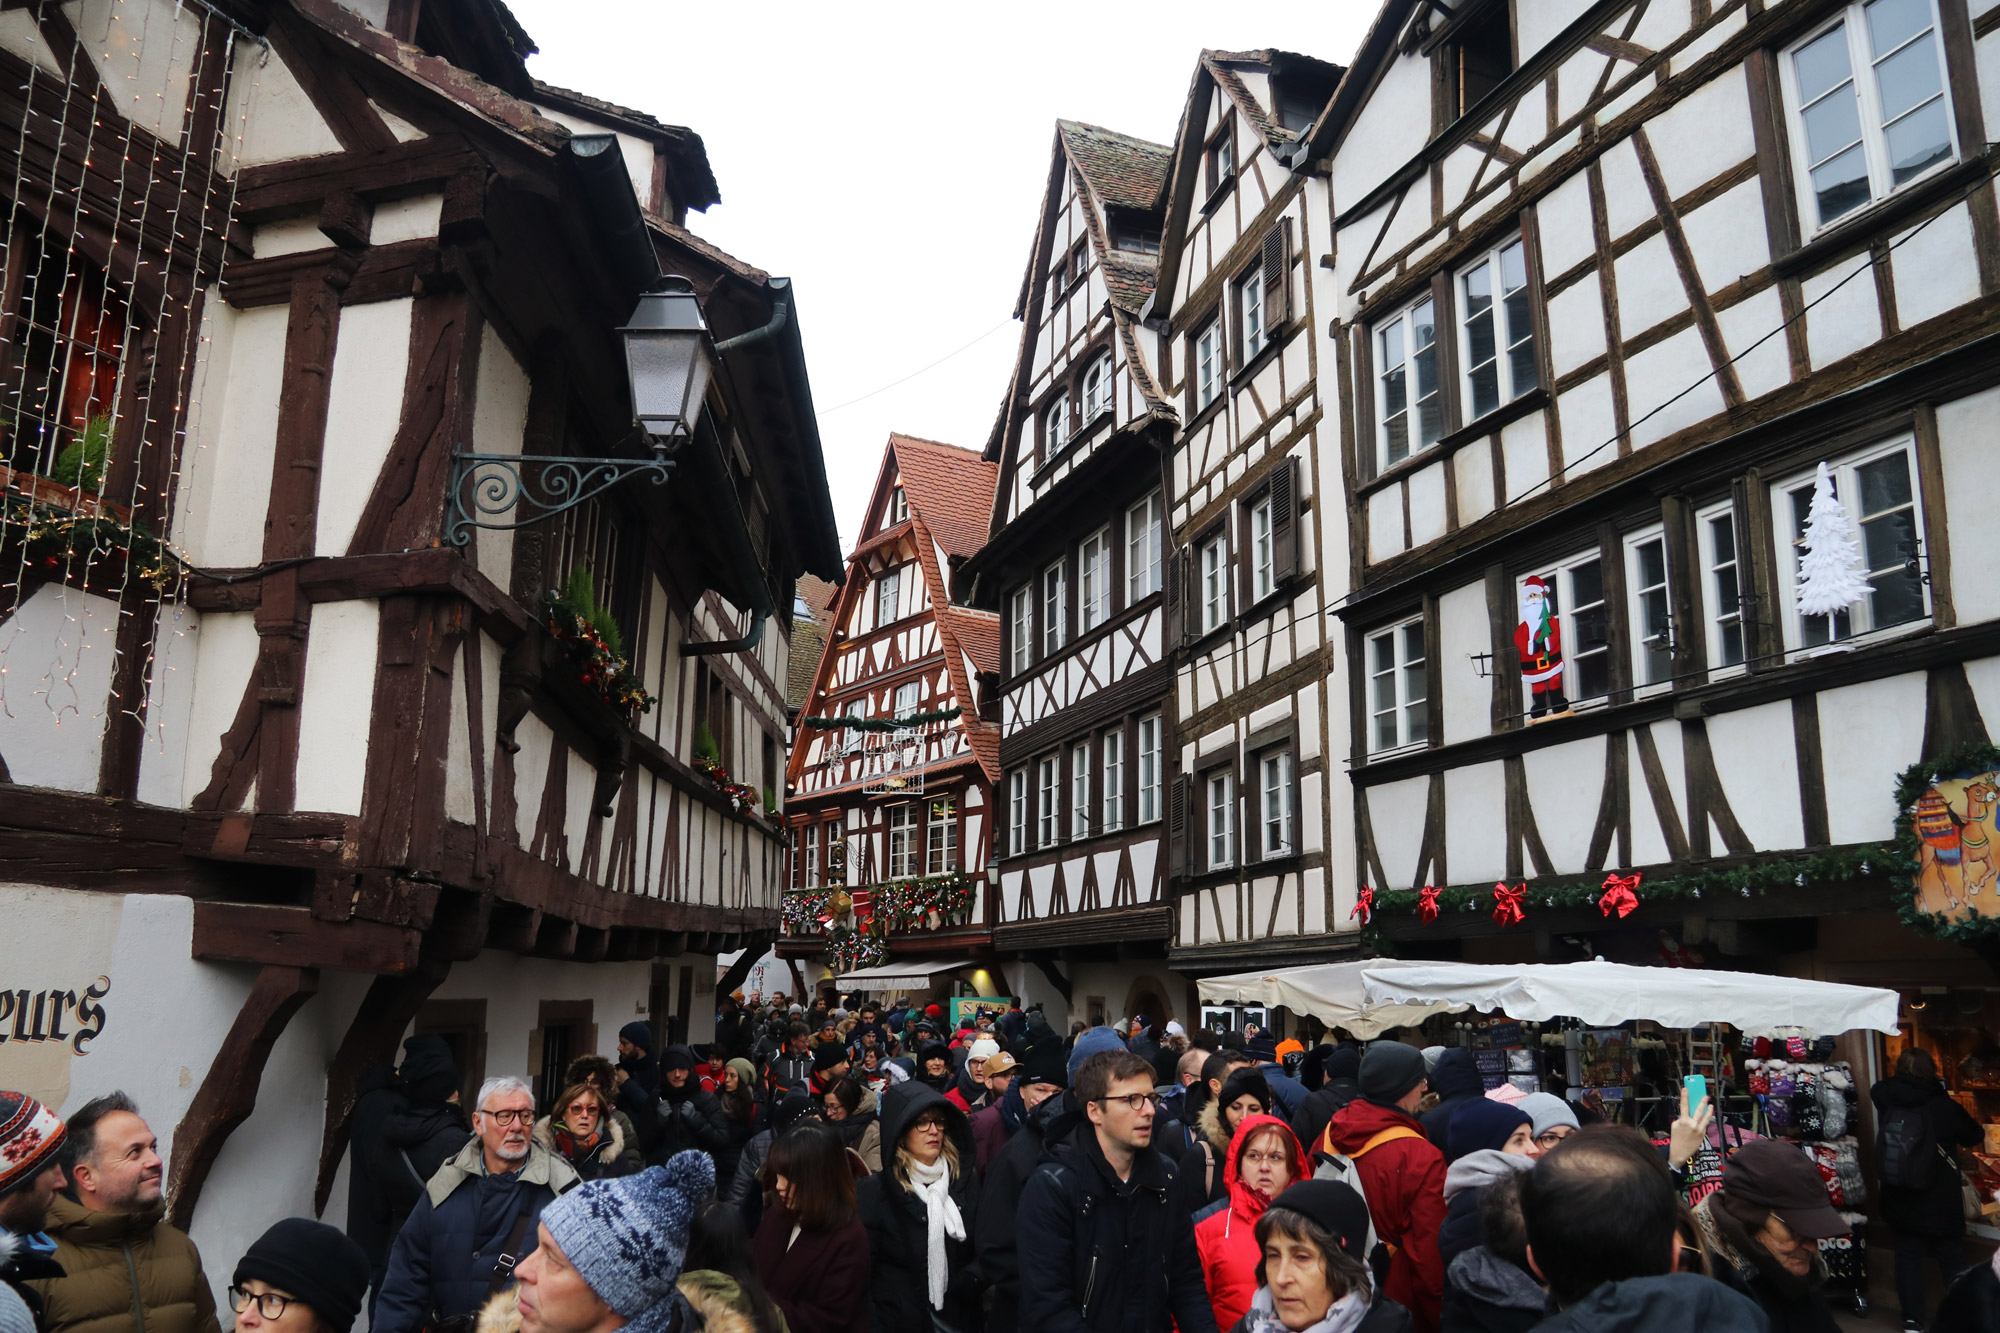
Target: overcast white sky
x=890 y=158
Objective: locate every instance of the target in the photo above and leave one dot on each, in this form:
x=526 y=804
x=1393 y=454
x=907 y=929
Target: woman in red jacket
x=1264 y=1158
x=811 y=1249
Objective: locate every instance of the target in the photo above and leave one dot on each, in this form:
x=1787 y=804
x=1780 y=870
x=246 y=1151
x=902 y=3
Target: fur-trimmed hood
x=712 y=1295
x=610 y=1148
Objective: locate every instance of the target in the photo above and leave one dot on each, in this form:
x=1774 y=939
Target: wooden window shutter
x=1173 y=597
x=1284 y=520
x=1276 y=270
x=1180 y=796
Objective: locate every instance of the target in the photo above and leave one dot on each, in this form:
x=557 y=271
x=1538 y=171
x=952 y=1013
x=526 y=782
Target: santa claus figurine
x=1538 y=639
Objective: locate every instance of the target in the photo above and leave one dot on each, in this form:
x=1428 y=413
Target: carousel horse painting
x=1955 y=825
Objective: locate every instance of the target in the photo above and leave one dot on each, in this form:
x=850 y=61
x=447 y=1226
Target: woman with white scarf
x=918 y=1210
x=1313 y=1277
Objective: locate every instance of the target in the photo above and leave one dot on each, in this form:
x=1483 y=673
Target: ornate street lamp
x=667 y=362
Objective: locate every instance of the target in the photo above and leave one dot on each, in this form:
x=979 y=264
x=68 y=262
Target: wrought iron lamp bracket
x=486 y=486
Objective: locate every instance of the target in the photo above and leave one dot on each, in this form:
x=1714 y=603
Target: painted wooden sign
x=1957 y=874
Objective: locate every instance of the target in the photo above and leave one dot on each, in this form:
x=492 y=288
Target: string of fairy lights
x=97 y=395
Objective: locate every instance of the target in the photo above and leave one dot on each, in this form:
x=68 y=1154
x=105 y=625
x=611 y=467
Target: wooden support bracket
x=229 y=1094
x=371 y=1039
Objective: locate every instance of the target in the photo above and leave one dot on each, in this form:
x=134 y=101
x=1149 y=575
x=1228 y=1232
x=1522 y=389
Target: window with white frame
x=1721 y=586
x=1263 y=550
x=1496 y=330
x=1865 y=98
x=941 y=838
x=1093 y=581
x=1079 y=790
x=1142 y=549
x=1877 y=489
x=810 y=879
x=1055 y=422
x=905 y=699
x=1017 y=812
x=1250 y=305
x=1409 y=411
x=1055 y=608
x=899 y=506
x=1097 y=389
x=1207 y=364
x=1020 y=619
x=889 y=597
x=1048 y=775
x=903 y=840
x=1398 y=687
x=1214 y=560
x=1221 y=804
x=1113 y=783
x=1274 y=792
x=1564 y=629
x=1152 y=767
x=1649 y=615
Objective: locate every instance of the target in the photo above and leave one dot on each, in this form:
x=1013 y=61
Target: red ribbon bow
x=1620 y=895
x=1364 y=905
x=1507 y=902
x=1427 y=903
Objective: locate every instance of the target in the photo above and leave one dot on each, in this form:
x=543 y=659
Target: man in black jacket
x=689 y=1115
x=791 y=1070
x=1100 y=1224
x=1921 y=1200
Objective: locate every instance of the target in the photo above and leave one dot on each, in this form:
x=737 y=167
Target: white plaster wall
x=1704 y=134
x=1848 y=319
x=58 y=655
x=1970 y=449
x=1565 y=784
x=1538 y=23
x=226 y=488
x=163 y=758
x=1666 y=369
x=227 y=653
x=1462 y=632
x=1868 y=734
x=288 y=236
x=1758 y=763
x=1114 y=982
x=1727 y=238
x=20 y=35
x=277 y=120
x=1936 y=268
x=1763 y=362
x=410 y=219
x=144 y=51
x=1475 y=826
x=335 y=701
x=1396 y=814
x=364 y=406
x=499 y=418
x=514 y=987
x=1385 y=133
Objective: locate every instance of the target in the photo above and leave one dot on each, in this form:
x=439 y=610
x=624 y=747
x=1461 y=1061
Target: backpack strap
x=1388 y=1135
x=1208 y=1167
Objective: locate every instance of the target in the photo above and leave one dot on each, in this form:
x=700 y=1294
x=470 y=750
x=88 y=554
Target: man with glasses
x=1102 y=1225
x=475 y=1221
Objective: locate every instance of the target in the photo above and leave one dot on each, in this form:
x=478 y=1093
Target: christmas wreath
x=57 y=537
x=590 y=638
x=1946 y=857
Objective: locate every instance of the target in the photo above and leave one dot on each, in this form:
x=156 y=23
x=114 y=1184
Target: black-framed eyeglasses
x=521 y=1117
x=270 y=1304
x=1550 y=1138
x=1134 y=1101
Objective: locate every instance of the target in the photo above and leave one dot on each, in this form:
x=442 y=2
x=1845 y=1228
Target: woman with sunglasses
x=579 y=1130
x=1264 y=1159
x=919 y=1211
x=300 y=1276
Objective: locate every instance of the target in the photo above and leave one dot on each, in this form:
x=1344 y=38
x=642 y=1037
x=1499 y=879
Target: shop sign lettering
x=69 y=1016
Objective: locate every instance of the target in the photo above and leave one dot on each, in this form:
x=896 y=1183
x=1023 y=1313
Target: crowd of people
x=817 y=1169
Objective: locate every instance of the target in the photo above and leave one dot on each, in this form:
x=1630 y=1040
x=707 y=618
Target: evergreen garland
x=1883 y=862
x=1964 y=762
x=908 y=903
x=879 y=723
x=56 y=537
x=591 y=640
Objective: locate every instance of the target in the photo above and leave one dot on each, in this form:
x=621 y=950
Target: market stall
x=1330 y=992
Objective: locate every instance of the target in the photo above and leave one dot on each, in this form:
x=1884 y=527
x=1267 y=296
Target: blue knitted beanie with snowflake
x=628 y=1237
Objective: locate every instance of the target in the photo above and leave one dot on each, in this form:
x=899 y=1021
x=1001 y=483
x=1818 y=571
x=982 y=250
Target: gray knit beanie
x=628 y=1237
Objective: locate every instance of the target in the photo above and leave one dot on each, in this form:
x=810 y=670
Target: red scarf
x=569 y=1145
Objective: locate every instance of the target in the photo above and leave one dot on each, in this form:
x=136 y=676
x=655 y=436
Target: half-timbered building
x=1255 y=857
x=1613 y=286
x=1075 y=569
x=890 y=783
x=295 y=755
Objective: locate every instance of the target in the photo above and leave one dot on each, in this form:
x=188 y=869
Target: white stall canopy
x=915 y=974
x=1330 y=992
x=1604 y=994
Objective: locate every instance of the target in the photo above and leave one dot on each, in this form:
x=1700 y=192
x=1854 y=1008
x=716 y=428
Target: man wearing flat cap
x=1766 y=1223
x=1400 y=1172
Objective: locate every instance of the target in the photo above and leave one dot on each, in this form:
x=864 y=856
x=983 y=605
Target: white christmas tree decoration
x=1831 y=575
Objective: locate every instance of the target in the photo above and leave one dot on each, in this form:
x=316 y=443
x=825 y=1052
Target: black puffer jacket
x=1484 y=1293
x=415 y=1141
x=690 y=1117
x=899 y=1226
x=371 y=1222
x=1673 y=1303
x=1936 y=1208
x=1050 y=1120
x=1972 y=1304
x=1106 y=1253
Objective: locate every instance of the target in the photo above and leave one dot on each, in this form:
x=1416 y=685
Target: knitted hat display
x=627 y=1237
x=30 y=1136
x=313 y=1263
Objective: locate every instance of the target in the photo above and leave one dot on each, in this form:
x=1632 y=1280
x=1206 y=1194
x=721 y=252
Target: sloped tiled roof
x=978 y=632
x=949 y=488
x=1123 y=172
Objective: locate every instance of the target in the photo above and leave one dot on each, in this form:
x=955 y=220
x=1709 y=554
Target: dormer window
x=1477 y=53
x=1142 y=239
x=899 y=506
x=1221 y=159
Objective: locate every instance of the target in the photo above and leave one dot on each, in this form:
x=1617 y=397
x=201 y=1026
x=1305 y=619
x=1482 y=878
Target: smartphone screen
x=1697 y=1091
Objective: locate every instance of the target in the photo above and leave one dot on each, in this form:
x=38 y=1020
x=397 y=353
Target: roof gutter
x=709 y=473
x=607 y=189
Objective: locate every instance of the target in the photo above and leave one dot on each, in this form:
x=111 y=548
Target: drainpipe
x=758 y=616
x=780 y=312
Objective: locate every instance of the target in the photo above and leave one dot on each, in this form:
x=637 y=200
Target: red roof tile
x=950 y=491
x=977 y=632
x=1123 y=172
